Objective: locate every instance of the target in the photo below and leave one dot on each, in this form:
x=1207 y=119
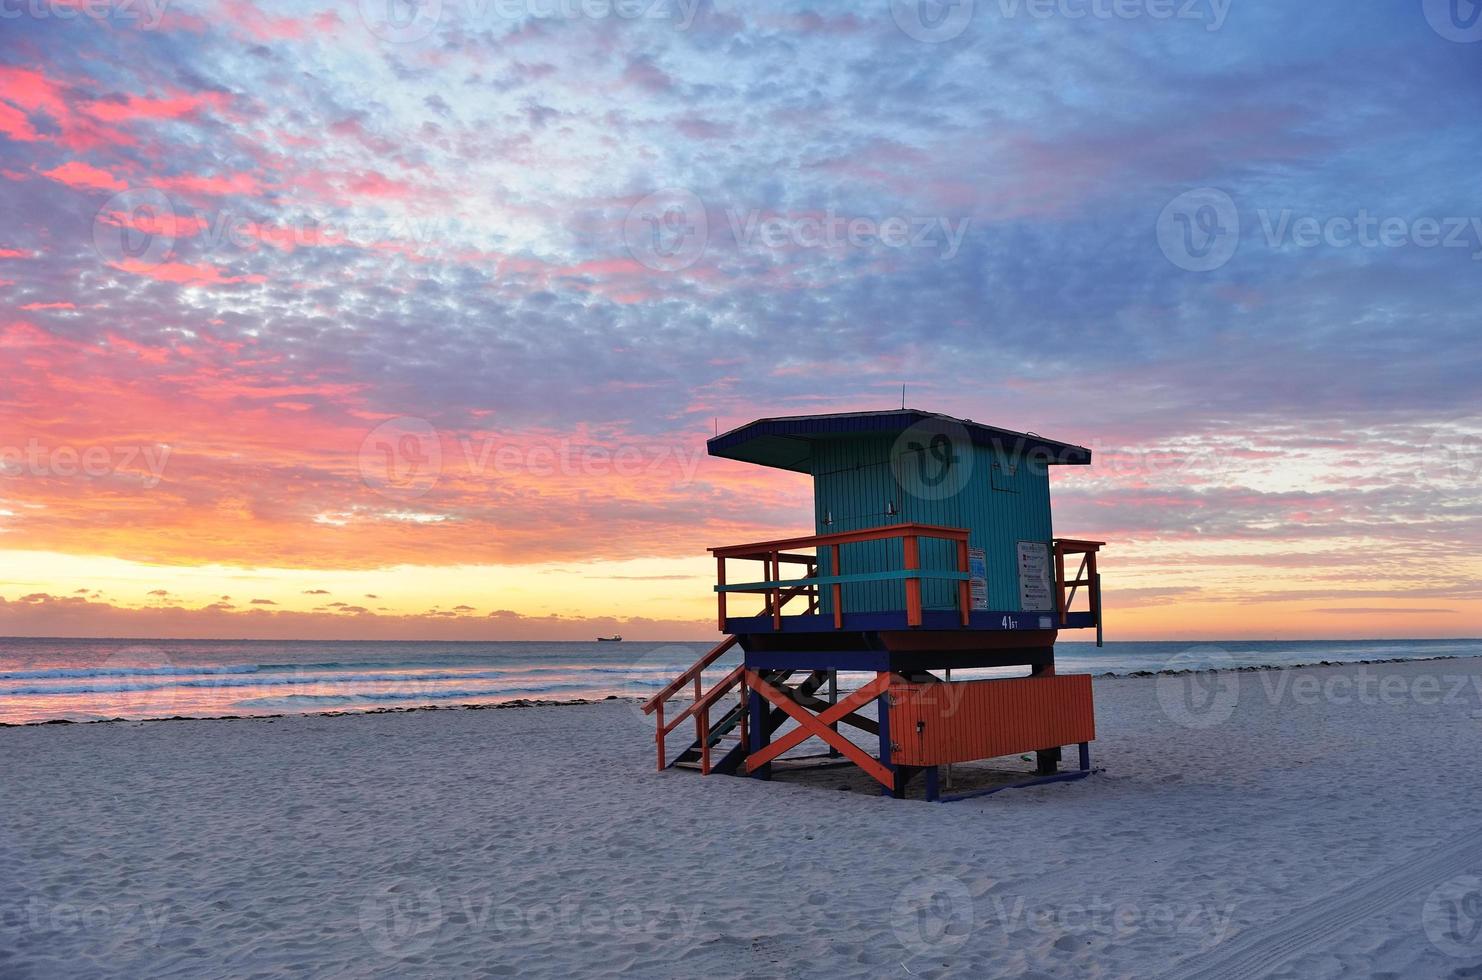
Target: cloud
x=75 y=173
x=358 y=232
x=216 y=185
x=42 y=614
x=1383 y=610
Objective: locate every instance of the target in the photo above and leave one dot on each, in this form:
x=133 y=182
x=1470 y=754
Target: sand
x=1318 y=822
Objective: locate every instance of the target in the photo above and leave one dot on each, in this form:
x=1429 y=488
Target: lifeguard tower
x=933 y=552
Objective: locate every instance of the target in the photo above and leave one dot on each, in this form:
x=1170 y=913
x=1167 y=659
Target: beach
x=1308 y=822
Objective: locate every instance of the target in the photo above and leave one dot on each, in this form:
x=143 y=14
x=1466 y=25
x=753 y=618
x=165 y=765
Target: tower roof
x=787 y=442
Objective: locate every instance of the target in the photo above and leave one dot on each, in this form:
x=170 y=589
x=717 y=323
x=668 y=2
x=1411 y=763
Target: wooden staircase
x=731 y=728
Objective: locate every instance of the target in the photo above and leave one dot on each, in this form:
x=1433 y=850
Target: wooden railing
x=699 y=709
x=1086 y=575
x=774 y=554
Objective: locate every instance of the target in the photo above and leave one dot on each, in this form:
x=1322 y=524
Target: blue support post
x=933 y=791
x=833 y=698
x=756 y=731
x=883 y=711
x=1085 y=757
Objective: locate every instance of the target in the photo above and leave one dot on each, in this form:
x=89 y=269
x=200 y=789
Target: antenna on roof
x=717 y=425
x=903 y=398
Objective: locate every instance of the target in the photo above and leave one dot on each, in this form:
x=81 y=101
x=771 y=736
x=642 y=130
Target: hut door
x=934 y=475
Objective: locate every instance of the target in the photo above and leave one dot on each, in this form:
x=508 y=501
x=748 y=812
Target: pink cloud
x=32 y=90
x=75 y=173
x=22 y=333
x=133 y=107
x=238 y=183
x=150 y=355
x=182 y=272
x=644 y=74
x=254 y=23
x=16 y=125
x=167 y=225
x=379 y=185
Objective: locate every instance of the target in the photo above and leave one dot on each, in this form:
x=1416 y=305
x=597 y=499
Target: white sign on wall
x=977 y=564
x=1035 y=590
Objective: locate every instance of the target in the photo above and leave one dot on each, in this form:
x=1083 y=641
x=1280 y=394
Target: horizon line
x=259 y=639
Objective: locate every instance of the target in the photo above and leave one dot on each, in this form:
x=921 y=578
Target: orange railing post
x=964 y=588
x=1096 y=597
x=701 y=716
x=1060 y=580
x=774 y=573
x=911 y=546
x=702 y=725
x=838 y=589
x=659 y=733
x=720 y=579
x=745 y=713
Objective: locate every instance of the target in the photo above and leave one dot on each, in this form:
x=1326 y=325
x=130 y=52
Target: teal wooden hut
x=933 y=549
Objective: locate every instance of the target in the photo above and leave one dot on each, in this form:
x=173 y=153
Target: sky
x=364 y=320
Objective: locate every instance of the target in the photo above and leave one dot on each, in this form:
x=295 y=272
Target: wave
x=123 y=671
x=291 y=700
x=388 y=671
x=120 y=683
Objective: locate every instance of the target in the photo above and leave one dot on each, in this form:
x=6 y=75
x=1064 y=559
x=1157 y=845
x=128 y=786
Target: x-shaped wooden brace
x=810 y=724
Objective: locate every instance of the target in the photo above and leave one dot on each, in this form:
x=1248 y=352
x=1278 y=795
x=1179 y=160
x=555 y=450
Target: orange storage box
x=959 y=721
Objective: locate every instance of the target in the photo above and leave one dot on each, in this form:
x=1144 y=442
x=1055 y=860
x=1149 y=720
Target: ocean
x=92 y=679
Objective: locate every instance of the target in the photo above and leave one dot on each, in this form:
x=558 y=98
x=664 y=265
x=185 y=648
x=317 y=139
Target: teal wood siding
x=1015 y=506
x=1001 y=502
x=853 y=484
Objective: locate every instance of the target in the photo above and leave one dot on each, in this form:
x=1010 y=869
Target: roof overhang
x=787 y=442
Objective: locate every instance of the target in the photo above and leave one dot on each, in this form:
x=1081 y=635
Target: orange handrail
x=688 y=675
x=758 y=549
x=699 y=709
x=772 y=555
x=707 y=699
x=700 y=665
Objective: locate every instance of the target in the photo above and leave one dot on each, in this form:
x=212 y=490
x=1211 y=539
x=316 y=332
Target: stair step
x=687 y=765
